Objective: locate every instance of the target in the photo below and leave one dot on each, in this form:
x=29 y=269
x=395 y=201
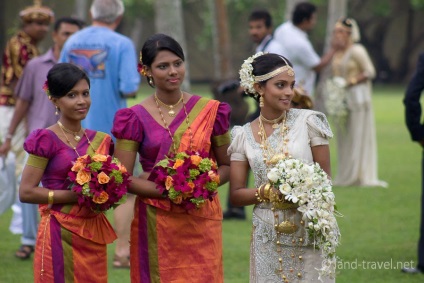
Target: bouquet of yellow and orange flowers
x=188 y=178
x=100 y=181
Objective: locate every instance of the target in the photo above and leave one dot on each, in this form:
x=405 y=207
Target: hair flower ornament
x=46 y=88
x=140 y=67
x=247 y=79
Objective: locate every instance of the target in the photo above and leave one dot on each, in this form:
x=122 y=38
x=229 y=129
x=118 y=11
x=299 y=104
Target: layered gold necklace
x=271 y=155
x=69 y=142
x=166 y=124
x=171 y=111
x=76 y=135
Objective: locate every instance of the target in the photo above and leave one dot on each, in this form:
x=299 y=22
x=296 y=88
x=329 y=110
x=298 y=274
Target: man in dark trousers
x=416 y=129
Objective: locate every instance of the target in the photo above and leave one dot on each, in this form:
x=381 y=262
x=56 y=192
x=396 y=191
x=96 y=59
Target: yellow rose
x=78 y=165
x=169 y=182
x=83 y=177
x=102 y=198
x=103 y=178
x=195 y=159
x=178 y=163
x=99 y=158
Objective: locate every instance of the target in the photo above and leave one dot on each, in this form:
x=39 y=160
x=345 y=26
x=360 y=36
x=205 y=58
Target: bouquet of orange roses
x=187 y=178
x=100 y=181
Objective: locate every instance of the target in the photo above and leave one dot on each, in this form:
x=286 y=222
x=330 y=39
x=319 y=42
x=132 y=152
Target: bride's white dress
x=299 y=260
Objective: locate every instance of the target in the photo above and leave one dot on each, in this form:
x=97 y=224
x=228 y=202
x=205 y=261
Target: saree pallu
x=71 y=240
x=168 y=243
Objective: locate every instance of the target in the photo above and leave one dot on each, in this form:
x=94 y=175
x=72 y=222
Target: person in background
x=110 y=61
x=20 y=49
x=168 y=242
x=72 y=238
x=413 y=118
x=356 y=136
x=33 y=106
x=292 y=36
x=260 y=31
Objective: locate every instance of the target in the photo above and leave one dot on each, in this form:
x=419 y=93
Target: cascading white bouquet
x=308 y=186
x=336 y=98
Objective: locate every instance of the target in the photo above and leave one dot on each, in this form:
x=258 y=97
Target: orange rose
x=103 y=178
x=178 y=163
x=195 y=159
x=83 y=177
x=214 y=177
x=189 y=193
x=122 y=168
x=214 y=166
x=99 y=158
x=178 y=199
x=78 y=165
x=102 y=198
x=169 y=182
x=82 y=158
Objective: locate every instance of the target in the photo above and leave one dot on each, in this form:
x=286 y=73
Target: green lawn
x=379 y=228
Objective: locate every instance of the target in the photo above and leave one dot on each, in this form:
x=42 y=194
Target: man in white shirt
x=292 y=36
x=260 y=31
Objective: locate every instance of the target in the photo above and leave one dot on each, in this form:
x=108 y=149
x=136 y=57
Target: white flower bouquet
x=308 y=186
x=336 y=98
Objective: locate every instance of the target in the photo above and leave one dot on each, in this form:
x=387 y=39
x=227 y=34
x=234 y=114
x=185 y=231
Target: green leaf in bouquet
x=118 y=176
x=181 y=155
x=197 y=201
x=95 y=166
x=163 y=163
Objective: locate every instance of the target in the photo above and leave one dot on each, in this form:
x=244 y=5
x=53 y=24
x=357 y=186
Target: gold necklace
x=74 y=147
x=274 y=122
x=76 y=135
x=170 y=108
x=166 y=124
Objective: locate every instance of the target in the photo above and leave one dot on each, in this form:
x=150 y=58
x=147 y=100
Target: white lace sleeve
x=237 y=147
x=319 y=130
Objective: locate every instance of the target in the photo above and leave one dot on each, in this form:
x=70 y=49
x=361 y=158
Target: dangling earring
x=57 y=111
x=261 y=101
x=151 y=80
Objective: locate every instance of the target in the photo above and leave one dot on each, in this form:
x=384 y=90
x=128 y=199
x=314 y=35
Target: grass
x=379 y=228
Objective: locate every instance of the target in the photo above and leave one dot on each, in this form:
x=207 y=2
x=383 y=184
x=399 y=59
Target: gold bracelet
x=267 y=190
x=50 y=197
x=258 y=197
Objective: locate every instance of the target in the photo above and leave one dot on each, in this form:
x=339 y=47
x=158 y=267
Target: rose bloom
x=187 y=194
x=103 y=178
x=168 y=182
x=214 y=177
x=122 y=168
x=83 y=177
x=99 y=158
x=195 y=159
x=102 y=198
x=82 y=158
x=78 y=165
x=178 y=163
x=178 y=199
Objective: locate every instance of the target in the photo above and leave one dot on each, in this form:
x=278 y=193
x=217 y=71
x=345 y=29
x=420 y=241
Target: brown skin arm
x=30 y=192
x=321 y=155
x=139 y=186
x=239 y=194
x=223 y=161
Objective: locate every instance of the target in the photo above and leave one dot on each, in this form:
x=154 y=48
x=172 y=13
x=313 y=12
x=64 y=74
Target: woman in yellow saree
x=169 y=243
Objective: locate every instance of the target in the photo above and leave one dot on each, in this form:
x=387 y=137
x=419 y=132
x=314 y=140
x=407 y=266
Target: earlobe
x=258 y=88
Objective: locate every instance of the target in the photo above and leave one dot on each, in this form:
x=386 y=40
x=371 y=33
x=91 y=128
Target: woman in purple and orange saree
x=71 y=240
x=170 y=243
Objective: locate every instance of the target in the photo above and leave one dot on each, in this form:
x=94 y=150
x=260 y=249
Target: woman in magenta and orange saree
x=71 y=240
x=169 y=243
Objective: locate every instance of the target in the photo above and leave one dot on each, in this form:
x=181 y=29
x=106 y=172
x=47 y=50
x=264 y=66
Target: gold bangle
x=50 y=197
x=267 y=190
x=258 y=197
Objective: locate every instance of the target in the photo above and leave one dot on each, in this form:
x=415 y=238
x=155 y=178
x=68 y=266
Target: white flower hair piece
x=247 y=80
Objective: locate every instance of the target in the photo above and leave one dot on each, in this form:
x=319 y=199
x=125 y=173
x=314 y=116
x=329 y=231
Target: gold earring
x=151 y=80
x=261 y=101
x=57 y=111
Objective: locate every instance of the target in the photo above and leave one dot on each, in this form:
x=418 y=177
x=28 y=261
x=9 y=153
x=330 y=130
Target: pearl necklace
x=170 y=108
x=166 y=124
x=76 y=135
